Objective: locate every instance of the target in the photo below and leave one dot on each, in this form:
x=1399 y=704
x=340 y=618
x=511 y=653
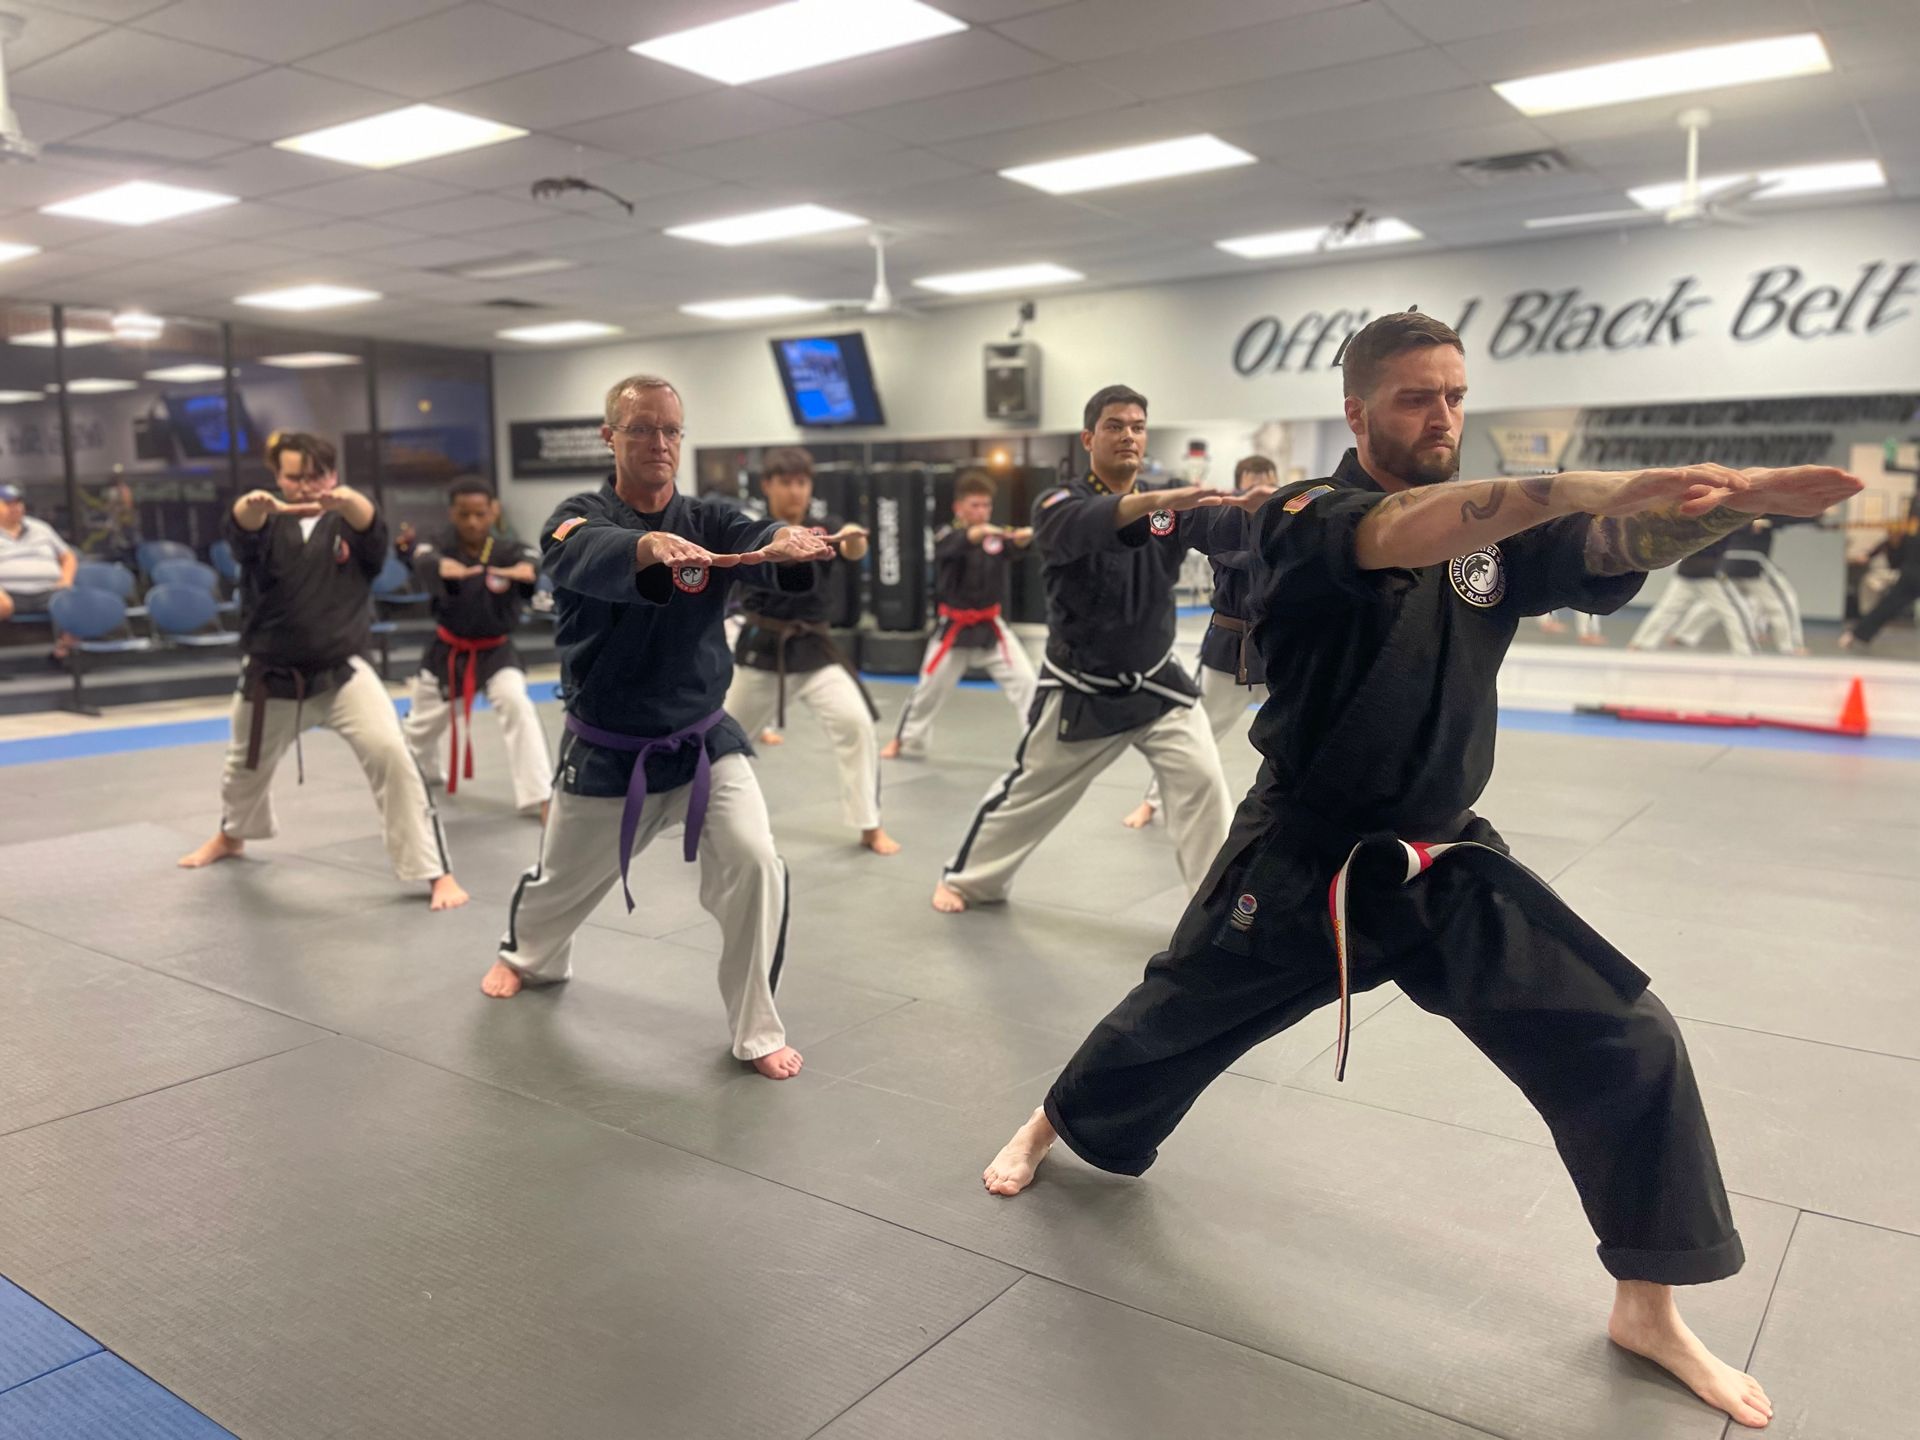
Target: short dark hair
x=787 y=460
x=1367 y=353
x=1254 y=465
x=469 y=485
x=1110 y=395
x=972 y=482
x=318 y=453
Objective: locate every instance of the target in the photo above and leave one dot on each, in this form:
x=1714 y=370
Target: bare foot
x=447 y=894
x=1012 y=1169
x=1139 y=817
x=782 y=1064
x=1551 y=626
x=502 y=982
x=1646 y=1321
x=772 y=737
x=1593 y=639
x=1848 y=640
x=947 y=900
x=890 y=750
x=878 y=841
x=221 y=847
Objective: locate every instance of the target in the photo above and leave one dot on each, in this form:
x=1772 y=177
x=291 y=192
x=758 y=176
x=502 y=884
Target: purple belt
x=640 y=747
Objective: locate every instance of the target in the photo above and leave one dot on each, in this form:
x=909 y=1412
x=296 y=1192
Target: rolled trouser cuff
x=1676 y=1267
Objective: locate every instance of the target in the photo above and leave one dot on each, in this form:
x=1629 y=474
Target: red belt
x=469 y=646
x=958 y=620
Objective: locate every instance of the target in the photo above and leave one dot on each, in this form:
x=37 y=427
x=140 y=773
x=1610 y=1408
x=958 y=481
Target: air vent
x=1505 y=169
x=507 y=304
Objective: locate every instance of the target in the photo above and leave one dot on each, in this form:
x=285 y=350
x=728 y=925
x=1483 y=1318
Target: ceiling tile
x=275 y=104
x=516 y=164
x=159 y=144
x=1442 y=21
x=708 y=118
x=461 y=214
x=1010 y=105
x=1441 y=148
x=421 y=253
x=125 y=72
x=788 y=153
x=1283 y=141
x=343 y=237
x=453 y=50
x=606 y=82
x=369 y=194
x=965 y=61
x=1093 y=29
x=280 y=32
x=1389 y=81
x=44 y=122
x=624 y=22
x=546 y=235
x=47 y=31
x=1631 y=29
x=260 y=170
x=116 y=11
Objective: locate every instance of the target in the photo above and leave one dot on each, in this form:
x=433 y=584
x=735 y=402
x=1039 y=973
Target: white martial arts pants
x=831 y=694
x=1675 y=607
x=1225 y=704
x=1006 y=662
x=1050 y=775
x=1772 y=605
x=1584 y=625
x=528 y=760
x=361 y=713
x=743 y=885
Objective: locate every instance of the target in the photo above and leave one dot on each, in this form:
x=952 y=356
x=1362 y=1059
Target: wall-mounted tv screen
x=202 y=427
x=828 y=380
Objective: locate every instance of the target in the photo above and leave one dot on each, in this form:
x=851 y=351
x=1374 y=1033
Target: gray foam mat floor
x=261 y=1136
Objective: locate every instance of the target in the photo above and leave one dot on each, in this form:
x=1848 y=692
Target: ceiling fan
x=882 y=301
x=15 y=147
x=1693 y=209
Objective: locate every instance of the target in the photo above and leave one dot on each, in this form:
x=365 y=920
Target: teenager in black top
x=307 y=557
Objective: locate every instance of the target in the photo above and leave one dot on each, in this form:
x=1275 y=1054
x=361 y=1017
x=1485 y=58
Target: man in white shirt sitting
x=34 y=561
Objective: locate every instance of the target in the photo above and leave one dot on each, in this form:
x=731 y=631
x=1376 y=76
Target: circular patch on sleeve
x=1479 y=578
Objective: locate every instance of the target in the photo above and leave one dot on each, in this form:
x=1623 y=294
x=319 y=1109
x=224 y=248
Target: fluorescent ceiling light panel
x=753 y=307
x=75 y=337
x=10 y=251
x=187 y=374
x=1589 y=217
x=1678 y=72
x=20 y=397
x=1318 y=239
x=137 y=325
x=400 y=137
x=1007 y=277
x=555 y=331
x=97 y=386
x=510 y=269
x=309 y=360
x=1784 y=184
x=798 y=35
x=1130 y=165
x=139 y=202
x=308 y=297
x=763 y=225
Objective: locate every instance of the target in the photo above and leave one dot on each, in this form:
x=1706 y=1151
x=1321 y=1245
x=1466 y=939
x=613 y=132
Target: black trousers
x=1551 y=1004
x=1895 y=602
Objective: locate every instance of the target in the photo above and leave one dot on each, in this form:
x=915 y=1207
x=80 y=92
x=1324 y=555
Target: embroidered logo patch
x=1305 y=498
x=340 y=552
x=1479 y=579
x=1048 y=502
x=568 y=526
x=690 y=579
x=1244 y=909
x=498 y=583
x=1161 y=522
x=993 y=545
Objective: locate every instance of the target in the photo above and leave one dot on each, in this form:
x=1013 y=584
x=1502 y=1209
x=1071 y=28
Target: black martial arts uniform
x=969 y=582
x=785 y=632
x=1381 y=730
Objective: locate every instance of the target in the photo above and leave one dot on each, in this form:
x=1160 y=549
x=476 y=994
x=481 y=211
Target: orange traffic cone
x=1853 y=714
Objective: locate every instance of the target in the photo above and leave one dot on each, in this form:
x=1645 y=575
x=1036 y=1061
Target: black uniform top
x=477 y=609
x=1756 y=539
x=970 y=577
x=1383 y=710
x=307 y=600
x=759 y=648
x=1233 y=598
x=1708 y=561
x=641 y=651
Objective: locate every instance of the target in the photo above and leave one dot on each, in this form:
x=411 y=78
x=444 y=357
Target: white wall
x=1176 y=342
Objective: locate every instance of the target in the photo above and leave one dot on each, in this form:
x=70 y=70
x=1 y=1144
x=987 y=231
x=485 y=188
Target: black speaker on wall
x=1013 y=381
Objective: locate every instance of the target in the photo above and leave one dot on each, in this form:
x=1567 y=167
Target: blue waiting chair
x=187 y=614
x=149 y=553
x=196 y=576
x=97 y=621
x=112 y=577
x=225 y=562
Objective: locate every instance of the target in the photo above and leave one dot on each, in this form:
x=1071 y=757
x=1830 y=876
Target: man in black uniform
x=970 y=559
x=1231 y=671
x=478 y=580
x=1385 y=601
x=1902 y=549
x=648 y=744
x=308 y=563
x=1699 y=585
x=1109 y=680
x=785 y=652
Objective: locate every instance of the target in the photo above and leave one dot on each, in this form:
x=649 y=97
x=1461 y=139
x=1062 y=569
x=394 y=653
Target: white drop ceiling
x=1347 y=103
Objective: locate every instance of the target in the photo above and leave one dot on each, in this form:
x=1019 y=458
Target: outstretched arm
x=1619 y=544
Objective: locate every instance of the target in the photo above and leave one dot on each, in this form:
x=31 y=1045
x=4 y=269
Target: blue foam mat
x=100 y=1397
x=34 y=1340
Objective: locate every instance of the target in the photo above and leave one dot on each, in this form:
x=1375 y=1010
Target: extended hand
x=1804 y=490
x=1690 y=490
x=1186 y=497
x=790 y=546
x=662 y=547
x=1248 y=500
x=846 y=533
x=340 y=497
x=452 y=569
x=260 y=504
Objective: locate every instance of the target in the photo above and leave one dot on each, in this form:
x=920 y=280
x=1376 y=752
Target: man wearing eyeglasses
x=648 y=744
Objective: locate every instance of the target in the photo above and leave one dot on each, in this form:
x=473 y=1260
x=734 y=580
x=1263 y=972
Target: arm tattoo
x=1496 y=494
x=1655 y=538
x=1538 y=488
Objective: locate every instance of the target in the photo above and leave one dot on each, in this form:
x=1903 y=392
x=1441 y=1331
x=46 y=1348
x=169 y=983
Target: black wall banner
x=558 y=447
x=898 y=577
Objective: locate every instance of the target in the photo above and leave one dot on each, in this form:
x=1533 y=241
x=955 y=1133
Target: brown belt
x=786 y=630
x=1243 y=630
x=255 y=689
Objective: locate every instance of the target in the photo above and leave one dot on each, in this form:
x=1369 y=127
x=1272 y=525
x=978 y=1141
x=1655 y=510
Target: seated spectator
x=34 y=561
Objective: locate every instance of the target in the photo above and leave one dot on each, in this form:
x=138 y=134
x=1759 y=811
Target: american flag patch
x=568 y=526
x=1305 y=498
x=1054 y=499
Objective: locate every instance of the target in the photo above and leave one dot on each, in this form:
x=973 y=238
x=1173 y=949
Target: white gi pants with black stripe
x=1006 y=661
x=1715 y=594
x=1226 y=703
x=361 y=713
x=1050 y=775
x=831 y=694
x=743 y=885
x=527 y=759
x=1771 y=602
